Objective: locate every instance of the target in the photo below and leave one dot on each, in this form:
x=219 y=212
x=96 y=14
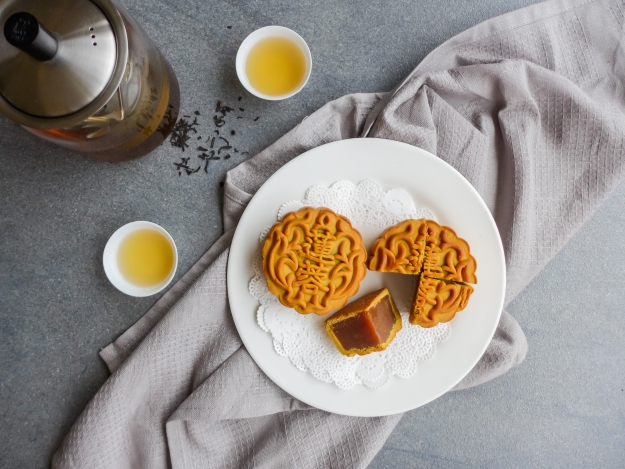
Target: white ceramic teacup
x=264 y=33
x=111 y=266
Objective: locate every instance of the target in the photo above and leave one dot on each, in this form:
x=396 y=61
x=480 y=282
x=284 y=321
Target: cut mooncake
x=440 y=260
x=314 y=260
x=366 y=325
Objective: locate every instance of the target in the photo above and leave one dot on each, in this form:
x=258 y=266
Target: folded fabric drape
x=529 y=107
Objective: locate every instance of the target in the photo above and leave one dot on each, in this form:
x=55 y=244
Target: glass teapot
x=83 y=75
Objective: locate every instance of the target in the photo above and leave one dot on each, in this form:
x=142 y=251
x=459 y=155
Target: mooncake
x=440 y=260
x=366 y=325
x=314 y=260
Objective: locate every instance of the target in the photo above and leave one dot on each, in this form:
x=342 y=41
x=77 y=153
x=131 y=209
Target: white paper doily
x=303 y=339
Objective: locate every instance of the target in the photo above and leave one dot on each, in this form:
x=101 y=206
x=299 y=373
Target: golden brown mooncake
x=314 y=260
x=441 y=261
x=366 y=325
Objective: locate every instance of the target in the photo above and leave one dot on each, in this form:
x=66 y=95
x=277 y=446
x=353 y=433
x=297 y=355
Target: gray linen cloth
x=528 y=106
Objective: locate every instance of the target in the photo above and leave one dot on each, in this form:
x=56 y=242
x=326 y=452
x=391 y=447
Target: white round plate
x=432 y=184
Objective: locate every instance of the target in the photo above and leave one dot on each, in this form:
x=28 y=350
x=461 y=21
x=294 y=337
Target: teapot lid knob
x=23 y=31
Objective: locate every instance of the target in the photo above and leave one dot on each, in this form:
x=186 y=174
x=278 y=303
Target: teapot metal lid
x=60 y=60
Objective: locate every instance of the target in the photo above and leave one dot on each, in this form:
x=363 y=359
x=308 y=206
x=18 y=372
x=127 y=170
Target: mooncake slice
x=366 y=325
x=314 y=260
x=446 y=255
x=437 y=300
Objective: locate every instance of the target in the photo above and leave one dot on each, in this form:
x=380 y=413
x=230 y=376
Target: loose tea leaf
x=223 y=109
x=208 y=158
x=219 y=121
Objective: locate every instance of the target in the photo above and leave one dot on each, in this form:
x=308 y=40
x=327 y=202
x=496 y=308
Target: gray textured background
x=563 y=407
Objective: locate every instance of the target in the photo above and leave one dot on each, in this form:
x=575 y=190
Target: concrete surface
x=564 y=407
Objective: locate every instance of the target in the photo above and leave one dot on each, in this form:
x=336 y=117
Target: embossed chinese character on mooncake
x=440 y=260
x=447 y=256
x=314 y=260
x=400 y=248
x=437 y=301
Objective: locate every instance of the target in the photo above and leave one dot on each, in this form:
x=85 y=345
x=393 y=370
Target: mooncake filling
x=365 y=325
x=367 y=328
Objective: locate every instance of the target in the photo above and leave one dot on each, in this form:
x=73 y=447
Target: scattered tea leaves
x=183 y=166
x=219 y=146
x=180 y=134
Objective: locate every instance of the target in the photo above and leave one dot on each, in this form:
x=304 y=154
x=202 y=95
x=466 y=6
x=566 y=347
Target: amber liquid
x=145 y=258
x=144 y=126
x=275 y=66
